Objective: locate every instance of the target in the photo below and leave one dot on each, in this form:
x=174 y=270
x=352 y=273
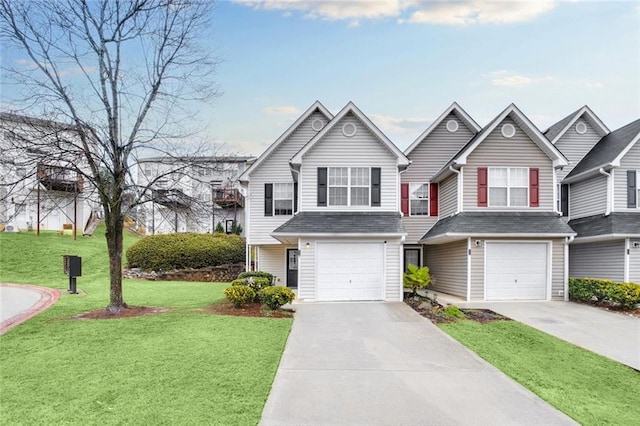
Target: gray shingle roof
x=607 y=149
x=555 y=129
x=342 y=223
x=620 y=223
x=496 y=223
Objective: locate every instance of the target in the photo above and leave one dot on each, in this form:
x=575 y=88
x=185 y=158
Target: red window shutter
x=534 y=188
x=433 y=199
x=404 y=199
x=482 y=187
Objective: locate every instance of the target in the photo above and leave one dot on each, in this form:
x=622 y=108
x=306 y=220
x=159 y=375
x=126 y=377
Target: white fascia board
x=338 y=235
x=402 y=160
x=603 y=237
x=460 y=235
x=316 y=106
x=624 y=152
x=588 y=173
x=470 y=122
x=603 y=129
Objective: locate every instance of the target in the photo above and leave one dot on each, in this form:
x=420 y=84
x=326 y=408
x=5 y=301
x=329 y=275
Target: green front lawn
x=591 y=389
x=180 y=367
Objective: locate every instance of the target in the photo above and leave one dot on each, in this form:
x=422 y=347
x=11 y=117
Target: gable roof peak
x=557 y=130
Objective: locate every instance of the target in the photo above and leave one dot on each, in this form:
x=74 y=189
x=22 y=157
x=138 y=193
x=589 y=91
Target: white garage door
x=350 y=271
x=516 y=271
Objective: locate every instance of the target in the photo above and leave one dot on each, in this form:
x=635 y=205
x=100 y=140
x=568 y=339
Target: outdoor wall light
x=307 y=246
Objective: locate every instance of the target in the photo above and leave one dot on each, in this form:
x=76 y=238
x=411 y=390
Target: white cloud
x=478 y=12
x=509 y=79
x=442 y=12
x=594 y=84
x=388 y=123
x=281 y=110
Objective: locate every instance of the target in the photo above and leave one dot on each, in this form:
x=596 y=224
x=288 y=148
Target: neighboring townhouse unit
x=324 y=208
x=419 y=199
x=192 y=194
x=574 y=136
x=499 y=235
x=604 y=208
x=42 y=186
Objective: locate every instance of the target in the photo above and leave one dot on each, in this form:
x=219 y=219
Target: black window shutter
x=564 y=199
x=375 y=186
x=268 y=199
x=322 y=186
x=632 y=186
x=295 y=197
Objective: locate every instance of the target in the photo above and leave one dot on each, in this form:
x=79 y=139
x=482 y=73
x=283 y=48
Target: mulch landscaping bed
x=130 y=312
x=252 y=310
x=635 y=312
x=438 y=313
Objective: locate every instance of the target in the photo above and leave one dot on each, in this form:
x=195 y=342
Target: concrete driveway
x=20 y=302
x=383 y=364
x=610 y=334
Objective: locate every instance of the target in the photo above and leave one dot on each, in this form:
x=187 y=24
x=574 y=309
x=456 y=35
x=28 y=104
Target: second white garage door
x=516 y=271
x=350 y=271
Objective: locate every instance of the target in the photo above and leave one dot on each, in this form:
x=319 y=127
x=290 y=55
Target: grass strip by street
x=184 y=366
x=591 y=389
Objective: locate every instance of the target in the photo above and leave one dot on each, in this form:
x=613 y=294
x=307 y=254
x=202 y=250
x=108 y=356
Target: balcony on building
x=58 y=178
x=228 y=198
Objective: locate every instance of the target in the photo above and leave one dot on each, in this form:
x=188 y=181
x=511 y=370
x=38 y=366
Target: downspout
x=567 y=241
x=458 y=189
x=609 y=191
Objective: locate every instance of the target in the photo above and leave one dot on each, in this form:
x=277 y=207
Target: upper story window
x=282 y=199
x=419 y=199
x=348 y=186
x=508 y=186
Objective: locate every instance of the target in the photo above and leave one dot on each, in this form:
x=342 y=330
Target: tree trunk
x=115 y=224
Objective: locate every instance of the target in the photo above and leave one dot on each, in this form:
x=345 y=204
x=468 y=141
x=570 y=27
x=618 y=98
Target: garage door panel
x=516 y=271
x=350 y=271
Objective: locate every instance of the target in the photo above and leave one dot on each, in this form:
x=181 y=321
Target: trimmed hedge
x=256 y=274
x=274 y=297
x=256 y=284
x=240 y=295
x=181 y=251
x=592 y=290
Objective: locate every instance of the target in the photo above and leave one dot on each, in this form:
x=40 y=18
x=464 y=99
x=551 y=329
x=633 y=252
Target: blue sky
x=549 y=58
x=403 y=62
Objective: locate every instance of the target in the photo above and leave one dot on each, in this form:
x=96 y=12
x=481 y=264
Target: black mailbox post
x=72 y=268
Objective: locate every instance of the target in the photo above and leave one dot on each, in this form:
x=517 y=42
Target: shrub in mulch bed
x=249 y=310
x=439 y=314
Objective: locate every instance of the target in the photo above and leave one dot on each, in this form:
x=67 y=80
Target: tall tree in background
x=126 y=74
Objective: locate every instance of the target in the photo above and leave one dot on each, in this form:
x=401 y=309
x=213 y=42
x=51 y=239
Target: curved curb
x=48 y=296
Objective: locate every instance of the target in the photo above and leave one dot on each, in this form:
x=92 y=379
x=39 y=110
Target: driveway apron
x=383 y=364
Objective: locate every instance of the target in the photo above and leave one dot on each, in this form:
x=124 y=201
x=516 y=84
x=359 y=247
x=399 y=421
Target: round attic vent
x=452 y=126
x=349 y=129
x=581 y=128
x=317 y=124
x=508 y=131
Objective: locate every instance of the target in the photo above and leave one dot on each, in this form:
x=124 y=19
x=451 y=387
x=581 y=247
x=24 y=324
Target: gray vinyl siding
x=557 y=266
x=307 y=270
x=588 y=198
x=603 y=260
x=417 y=227
x=273 y=259
x=448 y=267
x=448 y=196
x=362 y=150
x=275 y=169
x=634 y=262
x=631 y=161
x=393 y=265
x=498 y=151
x=575 y=146
x=436 y=150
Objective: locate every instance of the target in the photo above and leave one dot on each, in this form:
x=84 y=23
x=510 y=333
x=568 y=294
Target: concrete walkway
x=383 y=364
x=20 y=302
x=611 y=334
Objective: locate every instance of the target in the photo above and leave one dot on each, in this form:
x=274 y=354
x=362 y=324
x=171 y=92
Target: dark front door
x=411 y=257
x=292 y=268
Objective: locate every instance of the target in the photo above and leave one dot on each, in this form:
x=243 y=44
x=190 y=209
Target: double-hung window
x=349 y=186
x=419 y=199
x=282 y=199
x=508 y=187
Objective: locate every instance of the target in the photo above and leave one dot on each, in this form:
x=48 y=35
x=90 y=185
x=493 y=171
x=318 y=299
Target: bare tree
x=126 y=75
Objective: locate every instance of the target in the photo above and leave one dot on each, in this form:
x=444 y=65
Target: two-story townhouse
x=604 y=208
x=191 y=194
x=333 y=182
x=499 y=235
x=574 y=136
x=428 y=153
x=44 y=179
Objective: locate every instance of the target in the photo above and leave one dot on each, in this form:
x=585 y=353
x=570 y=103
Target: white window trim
x=282 y=199
x=348 y=186
x=528 y=187
x=428 y=199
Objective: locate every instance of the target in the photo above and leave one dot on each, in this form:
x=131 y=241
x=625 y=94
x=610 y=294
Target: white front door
x=516 y=271
x=350 y=271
